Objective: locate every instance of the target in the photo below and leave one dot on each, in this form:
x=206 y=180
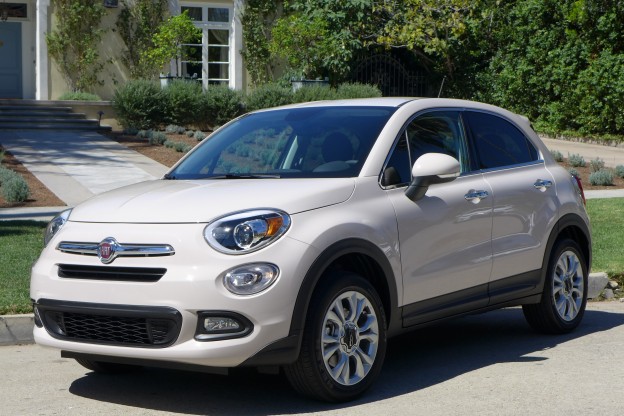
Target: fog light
x=219 y=325
x=250 y=278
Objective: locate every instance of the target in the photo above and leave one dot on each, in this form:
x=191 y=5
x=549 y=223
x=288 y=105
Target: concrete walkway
x=612 y=156
x=78 y=165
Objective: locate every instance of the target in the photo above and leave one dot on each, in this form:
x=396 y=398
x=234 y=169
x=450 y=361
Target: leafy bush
x=190 y=133
x=220 y=104
x=601 y=178
x=596 y=164
x=574 y=172
x=576 y=160
x=157 y=138
x=169 y=144
x=182 y=99
x=306 y=94
x=131 y=131
x=14 y=188
x=79 y=96
x=269 y=95
x=357 y=90
x=619 y=170
x=199 y=135
x=557 y=155
x=182 y=147
x=171 y=129
x=139 y=104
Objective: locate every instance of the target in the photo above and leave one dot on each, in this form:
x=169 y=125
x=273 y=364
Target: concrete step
x=46 y=120
x=13 y=115
x=13 y=108
x=53 y=126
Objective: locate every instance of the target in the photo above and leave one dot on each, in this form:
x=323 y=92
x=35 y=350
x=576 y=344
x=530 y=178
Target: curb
x=18 y=329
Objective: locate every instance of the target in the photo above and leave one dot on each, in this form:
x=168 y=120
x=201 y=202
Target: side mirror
x=429 y=169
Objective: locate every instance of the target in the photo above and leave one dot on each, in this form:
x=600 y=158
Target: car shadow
x=414 y=361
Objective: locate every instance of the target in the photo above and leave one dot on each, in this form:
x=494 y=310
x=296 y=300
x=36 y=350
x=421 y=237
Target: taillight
x=580 y=188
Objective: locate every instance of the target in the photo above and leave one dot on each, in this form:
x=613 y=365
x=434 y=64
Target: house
x=28 y=72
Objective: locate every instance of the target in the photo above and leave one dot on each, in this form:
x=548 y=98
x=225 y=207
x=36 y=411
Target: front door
x=10 y=60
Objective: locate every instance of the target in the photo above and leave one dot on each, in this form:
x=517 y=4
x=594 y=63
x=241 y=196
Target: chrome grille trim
x=122 y=250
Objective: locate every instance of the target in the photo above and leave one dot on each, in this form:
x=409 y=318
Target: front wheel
x=344 y=342
x=565 y=291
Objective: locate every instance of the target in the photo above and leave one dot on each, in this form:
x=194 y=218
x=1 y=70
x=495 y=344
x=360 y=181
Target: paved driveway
x=490 y=364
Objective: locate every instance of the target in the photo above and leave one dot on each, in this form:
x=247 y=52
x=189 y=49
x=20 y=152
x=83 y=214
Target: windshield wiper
x=169 y=177
x=242 y=176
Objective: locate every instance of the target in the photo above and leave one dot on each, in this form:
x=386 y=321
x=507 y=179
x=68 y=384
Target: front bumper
x=192 y=284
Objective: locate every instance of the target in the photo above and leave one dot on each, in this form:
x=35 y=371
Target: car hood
x=189 y=201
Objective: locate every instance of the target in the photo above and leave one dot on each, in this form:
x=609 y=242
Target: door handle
x=542 y=184
x=476 y=196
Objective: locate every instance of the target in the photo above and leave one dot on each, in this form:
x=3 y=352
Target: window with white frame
x=209 y=56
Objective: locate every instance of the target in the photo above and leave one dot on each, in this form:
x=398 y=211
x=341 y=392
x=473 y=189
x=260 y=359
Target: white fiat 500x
x=303 y=237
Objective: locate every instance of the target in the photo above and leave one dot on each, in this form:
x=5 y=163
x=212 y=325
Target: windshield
x=307 y=142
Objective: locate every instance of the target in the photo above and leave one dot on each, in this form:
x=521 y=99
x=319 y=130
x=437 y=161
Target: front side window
x=497 y=142
x=433 y=132
x=298 y=143
x=209 y=54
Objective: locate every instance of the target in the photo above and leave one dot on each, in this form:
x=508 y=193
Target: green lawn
x=22 y=241
x=20 y=245
x=607 y=218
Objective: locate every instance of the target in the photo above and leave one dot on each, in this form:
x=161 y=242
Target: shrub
x=182 y=99
x=142 y=134
x=357 y=90
x=220 y=104
x=268 y=95
x=79 y=96
x=596 y=164
x=181 y=147
x=557 y=155
x=169 y=144
x=157 y=138
x=574 y=172
x=1 y=155
x=190 y=133
x=131 y=131
x=601 y=178
x=199 y=135
x=139 y=104
x=6 y=175
x=15 y=189
x=619 y=170
x=306 y=94
x=171 y=129
x=576 y=160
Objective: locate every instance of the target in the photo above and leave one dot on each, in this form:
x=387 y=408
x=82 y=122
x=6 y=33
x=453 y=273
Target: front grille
x=134 y=326
x=112 y=273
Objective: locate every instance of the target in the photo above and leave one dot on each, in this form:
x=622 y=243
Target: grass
x=22 y=241
x=607 y=218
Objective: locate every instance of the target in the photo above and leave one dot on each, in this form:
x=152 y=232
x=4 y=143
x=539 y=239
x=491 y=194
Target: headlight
x=55 y=225
x=246 y=231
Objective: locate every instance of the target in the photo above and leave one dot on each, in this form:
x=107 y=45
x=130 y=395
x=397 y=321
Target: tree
x=169 y=42
x=136 y=24
x=73 y=44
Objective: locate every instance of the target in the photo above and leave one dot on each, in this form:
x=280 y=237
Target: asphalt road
x=490 y=364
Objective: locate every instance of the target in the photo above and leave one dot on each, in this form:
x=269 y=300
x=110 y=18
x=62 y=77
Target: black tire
x=563 y=302
x=360 y=343
x=103 y=367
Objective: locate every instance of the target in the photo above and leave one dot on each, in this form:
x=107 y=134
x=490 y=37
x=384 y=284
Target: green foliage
x=619 y=170
x=356 y=90
x=257 y=20
x=220 y=104
x=190 y=133
x=79 y=96
x=182 y=99
x=168 y=42
x=601 y=178
x=576 y=160
x=6 y=175
x=181 y=147
x=574 y=172
x=269 y=95
x=557 y=155
x=139 y=104
x=14 y=188
x=596 y=164
x=199 y=135
x=135 y=24
x=169 y=144
x=157 y=138
x=306 y=94
x=73 y=43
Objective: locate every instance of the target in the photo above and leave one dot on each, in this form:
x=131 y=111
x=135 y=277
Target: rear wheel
x=565 y=291
x=107 y=368
x=344 y=342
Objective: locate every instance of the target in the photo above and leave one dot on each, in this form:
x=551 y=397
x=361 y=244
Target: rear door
x=524 y=202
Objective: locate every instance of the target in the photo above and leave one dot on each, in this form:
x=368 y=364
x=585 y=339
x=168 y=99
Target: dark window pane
x=192 y=52
x=498 y=142
x=218 y=15
x=16 y=10
x=192 y=69
x=398 y=170
x=195 y=13
x=218 y=37
x=218 y=54
x=218 y=71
